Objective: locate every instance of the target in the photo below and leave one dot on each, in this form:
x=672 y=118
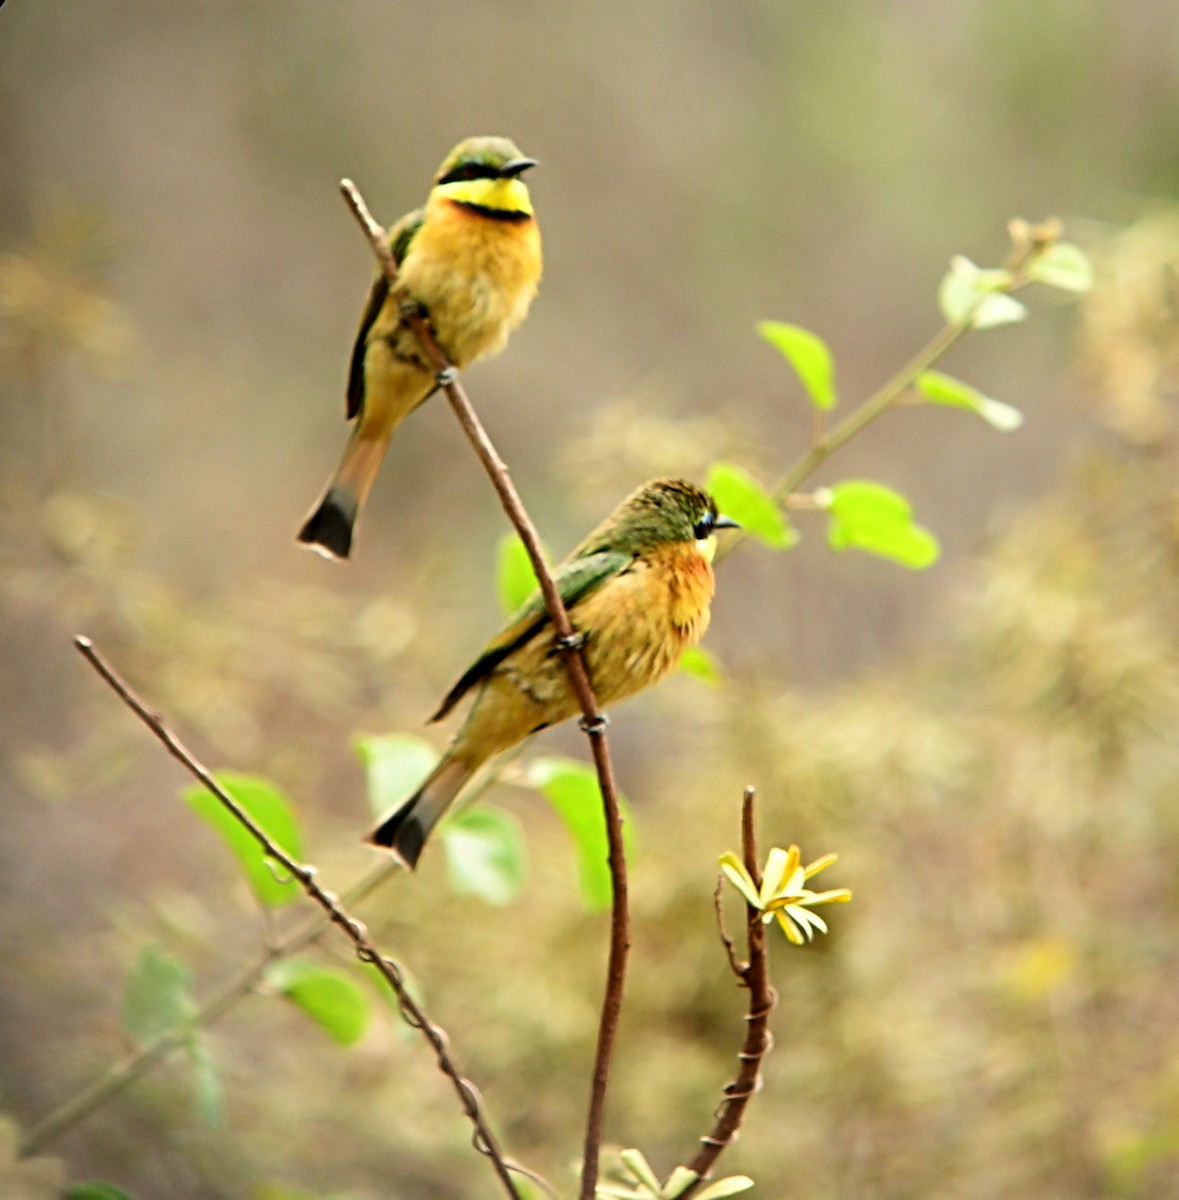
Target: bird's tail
x=405 y=830
x=328 y=529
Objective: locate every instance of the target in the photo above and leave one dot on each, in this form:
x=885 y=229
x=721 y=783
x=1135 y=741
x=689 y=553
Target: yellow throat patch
x=506 y=195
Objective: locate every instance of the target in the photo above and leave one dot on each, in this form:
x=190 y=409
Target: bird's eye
x=704 y=526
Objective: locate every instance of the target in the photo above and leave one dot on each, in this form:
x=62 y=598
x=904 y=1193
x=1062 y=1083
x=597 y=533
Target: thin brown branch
x=758 y=1041
x=593 y=723
x=483 y=1139
x=718 y=903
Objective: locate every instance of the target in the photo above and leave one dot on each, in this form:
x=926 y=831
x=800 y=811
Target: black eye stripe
x=469 y=170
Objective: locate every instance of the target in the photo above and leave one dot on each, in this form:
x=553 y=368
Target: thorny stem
x=755 y=976
x=593 y=723
x=336 y=914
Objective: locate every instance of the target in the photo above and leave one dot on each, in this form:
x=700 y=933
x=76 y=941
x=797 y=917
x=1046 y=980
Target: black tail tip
x=329 y=528
x=401 y=836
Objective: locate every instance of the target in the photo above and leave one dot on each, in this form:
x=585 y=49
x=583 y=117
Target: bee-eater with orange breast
x=471 y=260
x=638 y=591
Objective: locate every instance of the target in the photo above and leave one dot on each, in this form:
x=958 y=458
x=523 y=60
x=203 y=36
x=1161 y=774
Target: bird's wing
x=400 y=237
x=575 y=579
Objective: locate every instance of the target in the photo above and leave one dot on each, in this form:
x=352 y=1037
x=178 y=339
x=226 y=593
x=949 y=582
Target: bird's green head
x=485 y=172
x=659 y=513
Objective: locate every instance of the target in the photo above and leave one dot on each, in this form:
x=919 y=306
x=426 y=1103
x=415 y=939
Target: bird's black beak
x=725 y=523
x=517 y=166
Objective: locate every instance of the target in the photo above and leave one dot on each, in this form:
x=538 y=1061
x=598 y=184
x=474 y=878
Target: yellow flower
x=783 y=893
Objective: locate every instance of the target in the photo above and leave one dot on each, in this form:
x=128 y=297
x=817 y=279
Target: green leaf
x=263 y=801
x=395 y=765
x=943 y=389
x=740 y=496
x=95 y=1190
x=697 y=662
x=810 y=357
x=678 y=1182
x=515 y=579
x=636 y=1163
x=968 y=295
x=332 y=999
x=485 y=854
x=571 y=787
x=158 y=997
x=1063 y=265
x=729 y=1186
x=871 y=517
x=208 y=1094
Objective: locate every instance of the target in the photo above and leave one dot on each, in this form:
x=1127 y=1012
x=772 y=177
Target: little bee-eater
x=637 y=590
x=471 y=260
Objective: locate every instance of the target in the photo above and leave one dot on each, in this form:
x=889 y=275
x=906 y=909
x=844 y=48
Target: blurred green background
x=990 y=745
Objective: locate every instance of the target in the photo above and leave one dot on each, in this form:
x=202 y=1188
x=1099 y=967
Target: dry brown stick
x=593 y=723
x=755 y=976
x=483 y=1139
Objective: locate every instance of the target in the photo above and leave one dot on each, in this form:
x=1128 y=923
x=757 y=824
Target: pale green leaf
x=969 y=295
x=1063 y=265
x=514 y=577
x=873 y=518
x=944 y=389
x=700 y=664
x=740 y=496
x=332 y=999
x=998 y=309
x=729 y=1186
x=269 y=809
x=158 y=996
x=678 y=1182
x=636 y=1163
x=95 y=1190
x=808 y=354
x=571 y=787
x=208 y=1094
x=395 y=765
x=485 y=854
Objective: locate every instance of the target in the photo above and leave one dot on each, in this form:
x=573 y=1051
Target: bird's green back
x=400 y=237
x=576 y=578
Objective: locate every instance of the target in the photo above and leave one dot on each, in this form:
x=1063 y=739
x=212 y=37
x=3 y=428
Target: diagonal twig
x=390 y=970
x=593 y=723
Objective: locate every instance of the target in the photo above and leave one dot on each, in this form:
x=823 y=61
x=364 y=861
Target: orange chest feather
x=475 y=275
x=687 y=576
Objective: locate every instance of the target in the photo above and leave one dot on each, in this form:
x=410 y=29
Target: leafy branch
x=335 y=913
x=869 y=515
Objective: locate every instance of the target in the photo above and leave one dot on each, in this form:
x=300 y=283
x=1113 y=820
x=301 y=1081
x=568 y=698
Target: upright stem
x=754 y=975
x=593 y=723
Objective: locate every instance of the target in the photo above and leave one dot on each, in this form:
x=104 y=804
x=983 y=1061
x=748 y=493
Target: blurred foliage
x=991 y=1018
x=995 y=1016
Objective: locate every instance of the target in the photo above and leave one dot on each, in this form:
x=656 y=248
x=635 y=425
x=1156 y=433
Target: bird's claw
x=574 y=641
x=446 y=376
x=595 y=726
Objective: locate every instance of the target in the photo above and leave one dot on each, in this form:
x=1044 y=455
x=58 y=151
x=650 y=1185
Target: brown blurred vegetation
x=991 y=746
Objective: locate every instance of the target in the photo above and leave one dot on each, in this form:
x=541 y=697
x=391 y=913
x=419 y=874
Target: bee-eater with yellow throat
x=638 y=591
x=471 y=260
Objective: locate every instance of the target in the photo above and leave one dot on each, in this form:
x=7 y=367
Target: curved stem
x=335 y=914
x=593 y=723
